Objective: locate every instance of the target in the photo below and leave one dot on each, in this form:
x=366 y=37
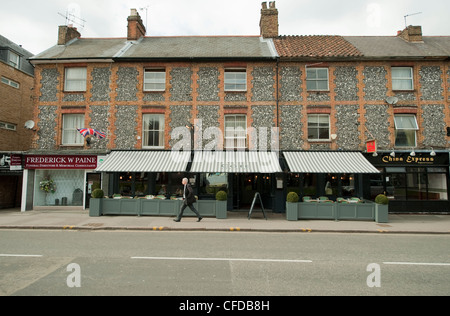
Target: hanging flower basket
x=47 y=185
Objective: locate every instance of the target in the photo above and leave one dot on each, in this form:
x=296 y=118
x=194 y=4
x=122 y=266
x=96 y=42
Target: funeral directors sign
x=60 y=162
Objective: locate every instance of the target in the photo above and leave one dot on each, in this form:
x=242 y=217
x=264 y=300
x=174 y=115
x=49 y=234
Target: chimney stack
x=412 y=34
x=269 y=20
x=66 y=33
x=136 y=28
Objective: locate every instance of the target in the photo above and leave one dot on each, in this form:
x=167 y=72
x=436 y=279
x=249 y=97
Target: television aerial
x=72 y=15
x=408 y=15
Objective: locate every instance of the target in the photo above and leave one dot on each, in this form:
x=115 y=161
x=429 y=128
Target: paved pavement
x=236 y=221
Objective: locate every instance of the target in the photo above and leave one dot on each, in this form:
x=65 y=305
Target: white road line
x=417 y=263
x=18 y=255
x=223 y=259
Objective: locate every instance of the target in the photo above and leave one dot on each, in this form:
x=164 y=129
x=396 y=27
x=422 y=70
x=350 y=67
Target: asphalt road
x=222 y=263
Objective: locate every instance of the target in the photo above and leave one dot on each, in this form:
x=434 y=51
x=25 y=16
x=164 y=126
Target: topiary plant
x=98 y=194
x=381 y=199
x=292 y=197
x=221 y=196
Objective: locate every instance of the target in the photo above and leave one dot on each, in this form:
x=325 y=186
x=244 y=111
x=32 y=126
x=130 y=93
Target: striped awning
x=236 y=162
x=145 y=161
x=328 y=162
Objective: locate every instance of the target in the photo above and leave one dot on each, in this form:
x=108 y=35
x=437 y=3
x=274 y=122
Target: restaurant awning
x=236 y=162
x=145 y=161
x=328 y=162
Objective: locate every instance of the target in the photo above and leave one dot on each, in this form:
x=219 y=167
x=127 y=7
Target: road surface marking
x=417 y=263
x=18 y=255
x=223 y=259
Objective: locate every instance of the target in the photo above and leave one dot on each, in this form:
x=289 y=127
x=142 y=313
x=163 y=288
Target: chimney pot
x=269 y=20
x=136 y=28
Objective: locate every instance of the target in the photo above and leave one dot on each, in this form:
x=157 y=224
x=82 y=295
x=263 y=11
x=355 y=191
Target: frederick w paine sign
x=60 y=162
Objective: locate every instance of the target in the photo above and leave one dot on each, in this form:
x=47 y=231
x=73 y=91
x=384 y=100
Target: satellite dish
x=29 y=125
x=392 y=100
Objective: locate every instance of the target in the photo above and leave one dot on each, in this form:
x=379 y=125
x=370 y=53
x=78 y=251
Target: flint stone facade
x=126 y=127
x=49 y=85
x=47 y=127
x=100 y=84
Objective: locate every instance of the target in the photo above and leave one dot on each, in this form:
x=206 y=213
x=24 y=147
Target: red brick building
x=16 y=108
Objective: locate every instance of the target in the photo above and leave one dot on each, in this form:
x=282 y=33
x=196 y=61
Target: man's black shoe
x=199 y=219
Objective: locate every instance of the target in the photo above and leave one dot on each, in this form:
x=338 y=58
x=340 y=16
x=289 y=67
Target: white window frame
x=235 y=136
x=70 y=135
x=73 y=81
x=10 y=83
x=235 y=80
x=153 y=81
x=14 y=60
x=8 y=126
x=316 y=79
x=318 y=127
x=399 y=127
x=397 y=81
x=147 y=131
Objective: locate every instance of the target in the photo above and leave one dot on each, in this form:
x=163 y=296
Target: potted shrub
x=381 y=209
x=221 y=205
x=292 y=206
x=95 y=204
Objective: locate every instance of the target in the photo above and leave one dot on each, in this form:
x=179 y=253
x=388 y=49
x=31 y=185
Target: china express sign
x=409 y=159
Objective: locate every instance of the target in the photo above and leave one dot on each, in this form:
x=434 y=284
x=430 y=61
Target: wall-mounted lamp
x=413 y=153
x=433 y=153
x=392 y=154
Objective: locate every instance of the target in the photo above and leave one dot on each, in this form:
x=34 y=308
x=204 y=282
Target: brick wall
x=16 y=107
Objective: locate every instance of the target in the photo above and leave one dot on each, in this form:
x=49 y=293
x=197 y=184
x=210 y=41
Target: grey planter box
x=95 y=207
x=221 y=209
x=159 y=207
x=355 y=211
x=316 y=210
x=381 y=213
x=367 y=211
x=292 y=211
x=155 y=207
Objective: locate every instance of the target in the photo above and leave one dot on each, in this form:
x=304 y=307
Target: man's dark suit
x=189 y=200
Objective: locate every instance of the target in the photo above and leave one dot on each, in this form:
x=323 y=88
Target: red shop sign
x=60 y=162
x=371 y=146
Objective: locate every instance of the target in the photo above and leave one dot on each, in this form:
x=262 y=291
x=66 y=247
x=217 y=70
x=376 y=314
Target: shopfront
x=413 y=181
x=59 y=180
x=10 y=179
x=331 y=174
x=159 y=173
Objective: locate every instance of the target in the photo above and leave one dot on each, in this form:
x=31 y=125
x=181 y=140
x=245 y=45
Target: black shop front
x=413 y=181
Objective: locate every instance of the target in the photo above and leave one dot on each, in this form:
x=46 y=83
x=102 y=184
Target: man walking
x=189 y=199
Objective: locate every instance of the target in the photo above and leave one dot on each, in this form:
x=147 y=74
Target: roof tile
x=315 y=46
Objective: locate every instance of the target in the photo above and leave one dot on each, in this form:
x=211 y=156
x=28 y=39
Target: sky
x=34 y=24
